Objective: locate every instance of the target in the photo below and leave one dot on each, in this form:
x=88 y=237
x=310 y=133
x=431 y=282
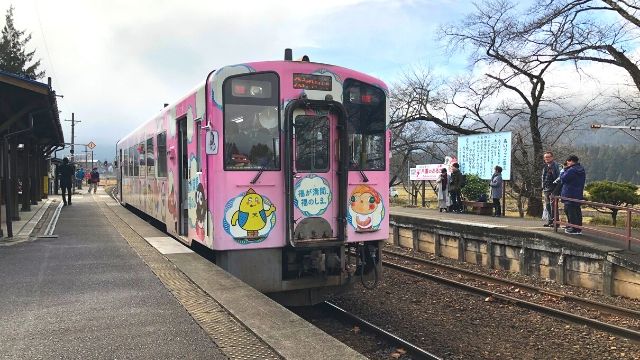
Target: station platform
x=92 y=280
x=591 y=260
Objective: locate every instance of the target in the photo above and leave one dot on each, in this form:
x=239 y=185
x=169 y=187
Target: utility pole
x=73 y=140
x=73 y=136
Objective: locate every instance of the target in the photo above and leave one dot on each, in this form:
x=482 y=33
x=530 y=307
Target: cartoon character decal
x=172 y=202
x=366 y=210
x=163 y=200
x=201 y=211
x=249 y=217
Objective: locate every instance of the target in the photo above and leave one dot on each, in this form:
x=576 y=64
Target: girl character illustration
x=201 y=211
x=364 y=202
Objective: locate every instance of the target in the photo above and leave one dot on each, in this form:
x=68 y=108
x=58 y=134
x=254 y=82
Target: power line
x=44 y=39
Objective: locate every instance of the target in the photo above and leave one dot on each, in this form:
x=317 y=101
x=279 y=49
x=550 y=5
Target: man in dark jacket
x=94 y=179
x=455 y=186
x=573 y=179
x=65 y=175
x=550 y=172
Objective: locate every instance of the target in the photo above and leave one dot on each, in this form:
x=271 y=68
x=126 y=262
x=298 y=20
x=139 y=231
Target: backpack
x=95 y=176
x=463 y=180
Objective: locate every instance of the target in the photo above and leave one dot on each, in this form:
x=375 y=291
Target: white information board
x=426 y=172
x=479 y=154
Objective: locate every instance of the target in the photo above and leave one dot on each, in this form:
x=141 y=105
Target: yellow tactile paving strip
x=233 y=338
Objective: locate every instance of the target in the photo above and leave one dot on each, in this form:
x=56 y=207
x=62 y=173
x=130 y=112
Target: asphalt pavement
x=87 y=295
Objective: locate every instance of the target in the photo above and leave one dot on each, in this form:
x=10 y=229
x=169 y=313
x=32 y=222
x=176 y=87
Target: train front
x=301 y=189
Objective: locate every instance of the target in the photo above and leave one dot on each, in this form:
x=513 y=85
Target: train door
x=183 y=164
x=317 y=185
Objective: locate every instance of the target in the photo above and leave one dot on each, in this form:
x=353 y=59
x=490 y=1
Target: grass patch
x=606 y=220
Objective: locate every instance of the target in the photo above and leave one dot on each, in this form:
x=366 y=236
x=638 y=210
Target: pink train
x=280 y=168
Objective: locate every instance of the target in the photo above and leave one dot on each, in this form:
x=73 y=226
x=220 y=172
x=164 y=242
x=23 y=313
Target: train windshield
x=251 y=122
x=366 y=107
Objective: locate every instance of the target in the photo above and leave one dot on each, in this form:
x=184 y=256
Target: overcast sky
x=116 y=62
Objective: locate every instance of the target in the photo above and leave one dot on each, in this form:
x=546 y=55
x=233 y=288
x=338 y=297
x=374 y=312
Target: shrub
x=475 y=187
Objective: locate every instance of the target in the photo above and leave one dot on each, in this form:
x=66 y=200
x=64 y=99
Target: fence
x=621 y=209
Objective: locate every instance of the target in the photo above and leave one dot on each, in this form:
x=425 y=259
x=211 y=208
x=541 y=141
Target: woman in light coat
x=496 y=190
x=443 y=193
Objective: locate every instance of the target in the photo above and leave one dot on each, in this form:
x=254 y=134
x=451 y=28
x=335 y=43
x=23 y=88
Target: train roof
x=307 y=66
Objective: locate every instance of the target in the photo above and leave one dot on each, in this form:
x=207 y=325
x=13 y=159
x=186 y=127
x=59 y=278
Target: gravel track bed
x=361 y=341
x=454 y=324
x=526 y=295
x=594 y=295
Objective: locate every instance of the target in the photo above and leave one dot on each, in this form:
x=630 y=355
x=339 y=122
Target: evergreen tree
x=14 y=57
x=613 y=193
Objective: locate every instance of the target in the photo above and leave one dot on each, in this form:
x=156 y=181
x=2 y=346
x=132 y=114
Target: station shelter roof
x=20 y=98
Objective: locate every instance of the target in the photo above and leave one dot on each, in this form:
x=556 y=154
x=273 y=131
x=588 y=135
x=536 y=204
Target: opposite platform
x=521 y=245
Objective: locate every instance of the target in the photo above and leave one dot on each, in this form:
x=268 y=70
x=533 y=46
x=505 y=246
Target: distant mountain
x=611 y=162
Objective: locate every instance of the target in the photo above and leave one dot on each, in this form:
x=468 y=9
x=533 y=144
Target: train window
x=312 y=143
x=161 y=142
x=142 y=159
x=130 y=164
x=136 y=159
x=366 y=125
x=124 y=162
x=151 y=160
x=251 y=123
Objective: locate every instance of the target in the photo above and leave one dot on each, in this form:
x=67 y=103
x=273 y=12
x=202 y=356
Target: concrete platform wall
x=544 y=258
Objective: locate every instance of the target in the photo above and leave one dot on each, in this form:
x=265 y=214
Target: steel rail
x=577 y=319
x=610 y=309
x=416 y=351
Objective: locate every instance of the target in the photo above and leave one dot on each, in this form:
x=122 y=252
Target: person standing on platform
x=66 y=174
x=455 y=186
x=94 y=179
x=443 y=194
x=550 y=172
x=79 y=177
x=496 y=190
x=573 y=179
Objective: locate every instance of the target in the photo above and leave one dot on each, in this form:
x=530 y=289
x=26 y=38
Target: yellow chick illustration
x=251 y=215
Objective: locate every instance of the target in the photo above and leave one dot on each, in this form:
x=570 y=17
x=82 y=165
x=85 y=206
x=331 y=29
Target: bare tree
x=417 y=133
x=500 y=41
x=516 y=60
x=575 y=31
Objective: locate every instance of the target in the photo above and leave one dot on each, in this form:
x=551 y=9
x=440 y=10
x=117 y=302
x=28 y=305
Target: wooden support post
x=26 y=166
x=13 y=163
x=7 y=186
x=504 y=198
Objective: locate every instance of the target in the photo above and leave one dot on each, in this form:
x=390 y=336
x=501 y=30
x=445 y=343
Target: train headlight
x=255 y=91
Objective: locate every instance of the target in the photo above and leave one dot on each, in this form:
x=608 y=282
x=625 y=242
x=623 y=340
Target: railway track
x=568 y=316
x=415 y=351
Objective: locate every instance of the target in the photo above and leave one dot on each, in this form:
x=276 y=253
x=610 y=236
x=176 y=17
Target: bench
x=478 y=207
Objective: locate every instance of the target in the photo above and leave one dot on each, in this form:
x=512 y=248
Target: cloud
x=116 y=62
